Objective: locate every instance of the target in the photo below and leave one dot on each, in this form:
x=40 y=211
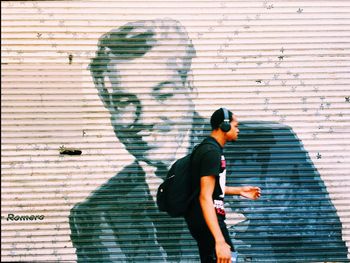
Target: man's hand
x=223 y=252
x=250 y=192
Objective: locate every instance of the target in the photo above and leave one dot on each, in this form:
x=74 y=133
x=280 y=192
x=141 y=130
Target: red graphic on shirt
x=220 y=211
x=219 y=207
x=223 y=164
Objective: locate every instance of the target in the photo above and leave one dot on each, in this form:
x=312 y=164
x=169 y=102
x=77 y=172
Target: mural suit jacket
x=294 y=218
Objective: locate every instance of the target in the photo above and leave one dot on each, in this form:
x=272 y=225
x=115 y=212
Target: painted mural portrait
x=155 y=119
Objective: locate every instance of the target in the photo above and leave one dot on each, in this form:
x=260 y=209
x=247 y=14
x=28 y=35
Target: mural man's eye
x=164 y=96
x=164 y=91
x=123 y=103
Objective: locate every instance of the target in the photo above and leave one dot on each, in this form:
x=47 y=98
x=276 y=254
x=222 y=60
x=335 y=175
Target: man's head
x=225 y=124
x=142 y=72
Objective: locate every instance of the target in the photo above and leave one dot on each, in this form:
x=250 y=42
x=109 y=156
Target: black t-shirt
x=208 y=160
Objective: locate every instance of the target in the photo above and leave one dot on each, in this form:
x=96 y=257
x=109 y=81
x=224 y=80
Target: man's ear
x=103 y=92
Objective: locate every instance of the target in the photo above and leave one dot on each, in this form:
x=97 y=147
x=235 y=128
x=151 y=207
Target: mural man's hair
x=134 y=40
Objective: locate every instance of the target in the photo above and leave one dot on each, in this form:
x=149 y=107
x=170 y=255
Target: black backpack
x=176 y=193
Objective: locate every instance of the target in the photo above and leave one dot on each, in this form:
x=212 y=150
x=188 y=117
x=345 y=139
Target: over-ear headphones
x=225 y=126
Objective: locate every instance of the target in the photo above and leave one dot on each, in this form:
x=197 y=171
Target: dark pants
x=206 y=246
x=205 y=240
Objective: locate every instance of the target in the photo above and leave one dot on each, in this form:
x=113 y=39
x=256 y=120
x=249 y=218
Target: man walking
x=205 y=218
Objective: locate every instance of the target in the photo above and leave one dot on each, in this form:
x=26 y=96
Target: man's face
x=151 y=106
x=232 y=134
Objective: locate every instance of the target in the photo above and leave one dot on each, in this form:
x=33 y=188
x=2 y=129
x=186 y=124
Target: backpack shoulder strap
x=205 y=142
x=201 y=144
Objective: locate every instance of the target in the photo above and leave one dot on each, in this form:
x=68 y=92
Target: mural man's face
x=151 y=108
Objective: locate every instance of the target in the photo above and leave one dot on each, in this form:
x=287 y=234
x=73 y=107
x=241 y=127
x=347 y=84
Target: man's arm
x=250 y=192
x=222 y=249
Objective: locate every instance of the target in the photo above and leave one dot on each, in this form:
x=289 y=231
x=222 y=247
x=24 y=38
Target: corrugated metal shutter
x=281 y=66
